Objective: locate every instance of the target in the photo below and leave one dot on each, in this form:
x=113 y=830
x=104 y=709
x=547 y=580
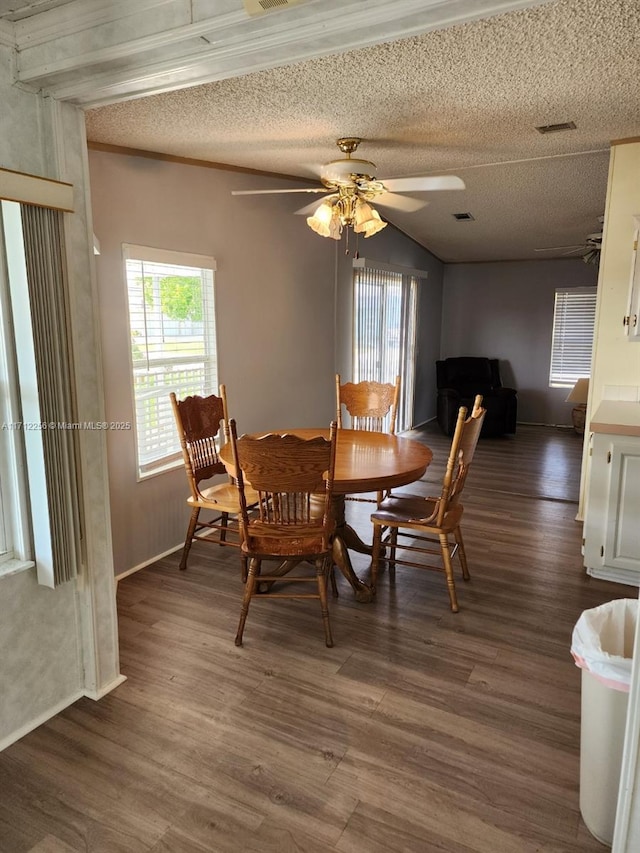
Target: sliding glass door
x=384 y=330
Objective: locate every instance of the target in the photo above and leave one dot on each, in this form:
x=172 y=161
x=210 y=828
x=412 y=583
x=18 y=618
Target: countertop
x=617 y=417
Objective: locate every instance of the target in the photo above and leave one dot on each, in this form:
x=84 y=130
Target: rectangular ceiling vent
x=259 y=7
x=463 y=217
x=554 y=128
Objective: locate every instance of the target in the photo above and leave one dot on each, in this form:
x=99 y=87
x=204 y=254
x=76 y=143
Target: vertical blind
x=384 y=330
x=573 y=324
x=173 y=343
x=57 y=559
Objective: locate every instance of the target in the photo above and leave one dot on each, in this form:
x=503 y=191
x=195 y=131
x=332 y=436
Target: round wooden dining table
x=365 y=462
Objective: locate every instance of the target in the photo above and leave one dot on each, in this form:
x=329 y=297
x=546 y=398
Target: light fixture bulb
x=321 y=220
x=362 y=217
x=373 y=225
x=343 y=211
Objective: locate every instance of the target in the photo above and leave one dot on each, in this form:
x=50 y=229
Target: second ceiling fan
x=349 y=184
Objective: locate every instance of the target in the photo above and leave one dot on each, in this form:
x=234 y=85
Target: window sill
x=14 y=567
x=172 y=465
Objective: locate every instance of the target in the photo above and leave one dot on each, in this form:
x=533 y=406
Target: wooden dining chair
x=293 y=522
x=202 y=422
x=431 y=524
x=371 y=406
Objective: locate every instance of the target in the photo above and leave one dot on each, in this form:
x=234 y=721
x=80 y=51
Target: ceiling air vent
x=554 y=128
x=259 y=7
x=463 y=217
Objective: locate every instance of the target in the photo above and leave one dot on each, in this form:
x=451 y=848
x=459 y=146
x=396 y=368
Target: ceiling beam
x=109 y=51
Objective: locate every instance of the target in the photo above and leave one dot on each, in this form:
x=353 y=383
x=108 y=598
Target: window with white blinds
x=173 y=343
x=384 y=329
x=573 y=322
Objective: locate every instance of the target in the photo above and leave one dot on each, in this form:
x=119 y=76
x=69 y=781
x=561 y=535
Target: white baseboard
x=625 y=576
x=39 y=720
x=200 y=535
x=56 y=709
x=98 y=694
x=149 y=562
x=421 y=424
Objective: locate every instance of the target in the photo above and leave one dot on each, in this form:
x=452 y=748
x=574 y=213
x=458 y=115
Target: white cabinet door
x=612 y=524
x=622 y=536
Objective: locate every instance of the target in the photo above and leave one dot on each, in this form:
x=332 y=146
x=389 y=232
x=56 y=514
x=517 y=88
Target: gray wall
x=284 y=307
x=505 y=310
x=393 y=247
x=275 y=317
x=284 y=298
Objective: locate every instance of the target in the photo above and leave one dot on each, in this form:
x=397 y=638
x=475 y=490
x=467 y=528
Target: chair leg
x=254 y=569
x=375 y=554
x=193 y=521
x=448 y=570
x=462 y=555
x=321 y=574
x=393 y=544
x=224 y=526
x=334 y=585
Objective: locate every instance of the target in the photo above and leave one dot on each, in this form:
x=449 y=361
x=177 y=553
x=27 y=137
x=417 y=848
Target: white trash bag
x=602 y=642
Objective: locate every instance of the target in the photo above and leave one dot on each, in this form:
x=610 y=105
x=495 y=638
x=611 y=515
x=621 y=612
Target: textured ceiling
x=463 y=100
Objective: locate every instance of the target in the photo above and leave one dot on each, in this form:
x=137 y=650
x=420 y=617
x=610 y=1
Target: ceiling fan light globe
x=374 y=225
x=335 y=228
x=325 y=222
x=363 y=215
x=320 y=220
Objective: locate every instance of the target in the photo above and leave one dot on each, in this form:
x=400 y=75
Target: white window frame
x=573 y=317
x=16 y=545
x=386 y=370
x=147 y=467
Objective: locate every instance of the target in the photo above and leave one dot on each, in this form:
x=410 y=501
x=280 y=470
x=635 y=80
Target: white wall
x=616 y=362
x=616 y=359
x=59 y=644
x=505 y=310
x=393 y=247
x=275 y=317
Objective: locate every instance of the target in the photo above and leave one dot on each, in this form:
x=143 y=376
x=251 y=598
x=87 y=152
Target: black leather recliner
x=460 y=379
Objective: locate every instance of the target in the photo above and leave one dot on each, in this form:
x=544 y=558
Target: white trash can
x=602 y=645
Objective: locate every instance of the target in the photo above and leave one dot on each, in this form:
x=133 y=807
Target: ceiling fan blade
x=559 y=248
x=310 y=208
x=405 y=203
x=424 y=184
x=271 y=192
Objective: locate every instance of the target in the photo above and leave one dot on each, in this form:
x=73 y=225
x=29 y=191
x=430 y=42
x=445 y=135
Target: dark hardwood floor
x=421 y=730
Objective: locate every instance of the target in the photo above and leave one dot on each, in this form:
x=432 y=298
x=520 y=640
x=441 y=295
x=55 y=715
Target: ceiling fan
x=589 y=250
x=349 y=184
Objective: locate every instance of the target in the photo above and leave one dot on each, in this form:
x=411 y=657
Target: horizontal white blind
x=573 y=323
x=173 y=344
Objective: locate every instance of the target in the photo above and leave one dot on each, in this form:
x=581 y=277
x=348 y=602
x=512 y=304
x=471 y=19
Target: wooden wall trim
x=32 y=189
x=190 y=161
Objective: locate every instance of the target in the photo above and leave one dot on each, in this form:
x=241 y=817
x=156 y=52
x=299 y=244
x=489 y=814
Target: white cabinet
x=612 y=520
x=632 y=317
